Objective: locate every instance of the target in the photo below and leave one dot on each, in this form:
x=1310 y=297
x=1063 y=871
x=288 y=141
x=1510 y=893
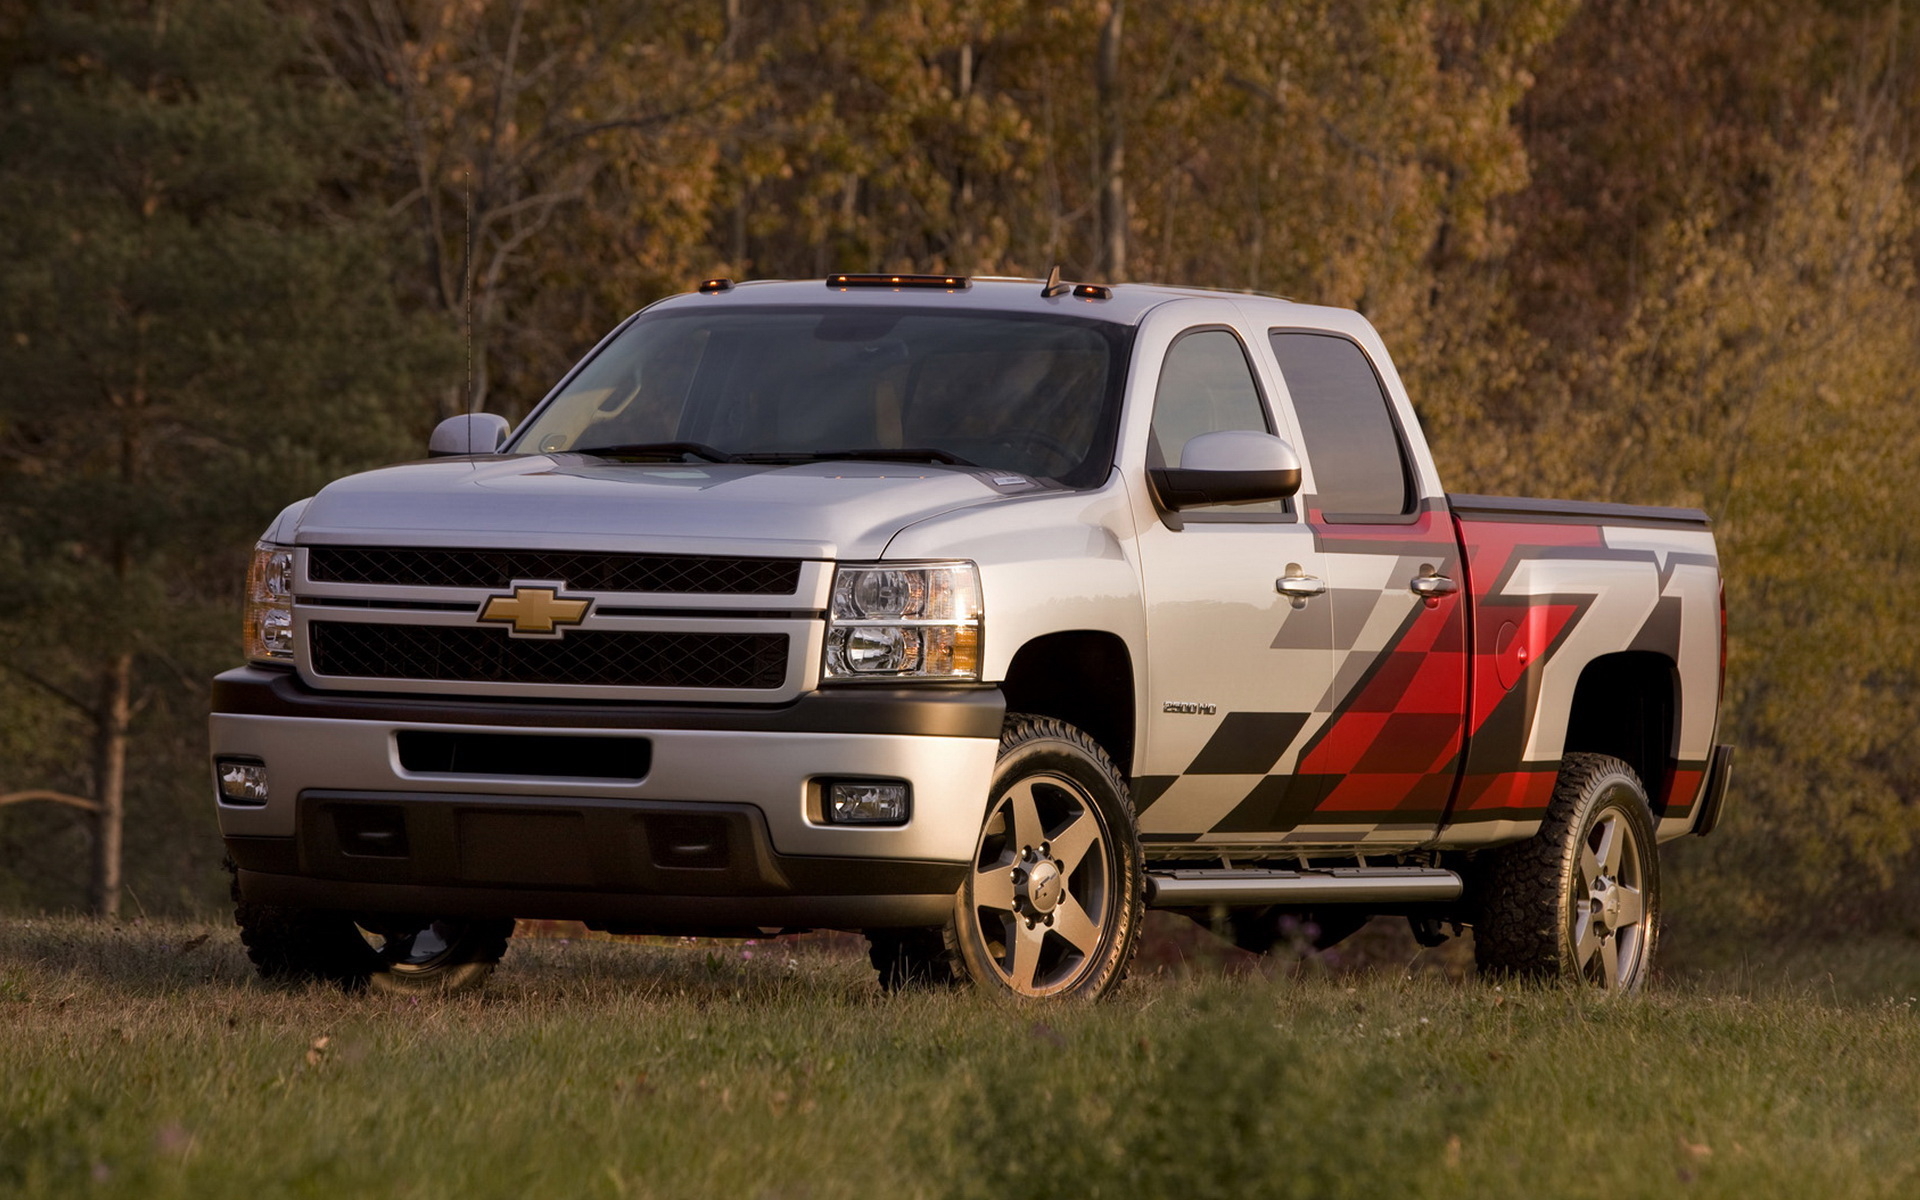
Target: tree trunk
x=1113 y=148
x=112 y=719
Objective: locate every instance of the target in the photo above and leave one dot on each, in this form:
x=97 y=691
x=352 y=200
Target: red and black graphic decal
x=1428 y=723
x=1513 y=636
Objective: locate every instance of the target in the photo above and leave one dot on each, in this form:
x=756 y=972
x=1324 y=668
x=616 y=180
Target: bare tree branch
x=72 y=801
x=53 y=689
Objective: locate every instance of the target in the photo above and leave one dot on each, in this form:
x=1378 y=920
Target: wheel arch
x=1627 y=705
x=1083 y=677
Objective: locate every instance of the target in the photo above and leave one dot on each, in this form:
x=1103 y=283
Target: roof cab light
x=1055 y=286
x=904 y=621
x=950 y=282
x=268 y=626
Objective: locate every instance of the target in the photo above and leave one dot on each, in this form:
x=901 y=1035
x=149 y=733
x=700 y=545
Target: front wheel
x=1580 y=900
x=1053 y=905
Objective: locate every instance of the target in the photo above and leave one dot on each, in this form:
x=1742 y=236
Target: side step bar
x=1335 y=885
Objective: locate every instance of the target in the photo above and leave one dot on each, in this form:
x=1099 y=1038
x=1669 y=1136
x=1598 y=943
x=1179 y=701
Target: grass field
x=144 y=1061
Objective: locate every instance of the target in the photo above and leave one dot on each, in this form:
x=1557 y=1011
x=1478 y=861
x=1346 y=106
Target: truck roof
x=1126 y=304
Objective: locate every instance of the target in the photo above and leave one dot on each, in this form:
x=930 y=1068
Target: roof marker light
x=1093 y=291
x=710 y=286
x=949 y=282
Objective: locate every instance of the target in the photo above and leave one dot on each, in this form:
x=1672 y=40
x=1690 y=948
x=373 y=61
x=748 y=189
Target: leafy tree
x=1654 y=250
x=552 y=164
x=200 y=326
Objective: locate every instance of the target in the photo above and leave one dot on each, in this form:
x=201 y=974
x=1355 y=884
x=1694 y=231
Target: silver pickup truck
x=977 y=615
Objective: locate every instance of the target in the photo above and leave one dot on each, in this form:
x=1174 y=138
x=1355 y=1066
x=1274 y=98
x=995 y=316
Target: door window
x=1206 y=386
x=1359 y=468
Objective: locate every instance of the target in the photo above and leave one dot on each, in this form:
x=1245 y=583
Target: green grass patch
x=145 y=1061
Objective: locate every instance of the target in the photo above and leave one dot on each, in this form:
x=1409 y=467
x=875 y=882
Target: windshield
x=1035 y=395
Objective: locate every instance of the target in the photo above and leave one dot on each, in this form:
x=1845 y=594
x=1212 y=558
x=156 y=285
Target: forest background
x=1658 y=251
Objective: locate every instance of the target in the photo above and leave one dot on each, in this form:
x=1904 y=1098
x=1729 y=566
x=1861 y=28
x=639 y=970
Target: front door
x=1236 y=671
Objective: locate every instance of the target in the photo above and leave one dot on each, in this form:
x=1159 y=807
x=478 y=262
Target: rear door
x=1234 y=668
x=1386 y=759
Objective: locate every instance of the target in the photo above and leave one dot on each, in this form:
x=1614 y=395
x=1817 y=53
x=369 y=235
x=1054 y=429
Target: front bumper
x=348 y=826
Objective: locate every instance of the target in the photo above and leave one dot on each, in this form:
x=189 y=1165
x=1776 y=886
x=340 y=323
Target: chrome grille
x=685 y=574
x=458 y=654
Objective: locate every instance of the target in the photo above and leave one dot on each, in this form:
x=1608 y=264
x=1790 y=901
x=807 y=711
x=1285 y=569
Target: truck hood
x=845 y=510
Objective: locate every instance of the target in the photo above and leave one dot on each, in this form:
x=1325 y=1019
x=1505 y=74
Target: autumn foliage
x=1659 y=251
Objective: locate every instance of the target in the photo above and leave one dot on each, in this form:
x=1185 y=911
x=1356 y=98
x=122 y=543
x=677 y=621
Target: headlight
x=268 y=631
x=897 y=621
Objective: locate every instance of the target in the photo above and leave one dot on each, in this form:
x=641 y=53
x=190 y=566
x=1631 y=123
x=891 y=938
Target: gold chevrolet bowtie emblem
x=535 y=610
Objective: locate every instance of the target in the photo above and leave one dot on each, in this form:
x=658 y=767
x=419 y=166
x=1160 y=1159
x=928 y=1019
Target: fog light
x=242 y=782
x=867 y=803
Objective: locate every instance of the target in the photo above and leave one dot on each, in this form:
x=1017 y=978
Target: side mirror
x=468 y=433
x=1231 y=466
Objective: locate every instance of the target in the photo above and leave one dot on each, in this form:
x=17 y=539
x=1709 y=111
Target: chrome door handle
x=1430 y=586
x=1298 y=586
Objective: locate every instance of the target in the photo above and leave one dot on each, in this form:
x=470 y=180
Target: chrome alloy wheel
x=412 y=946
x=1608 y=902
x=1580 y=899
x=1042 y=890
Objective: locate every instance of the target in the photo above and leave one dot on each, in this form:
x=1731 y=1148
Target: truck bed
x=1623 y=597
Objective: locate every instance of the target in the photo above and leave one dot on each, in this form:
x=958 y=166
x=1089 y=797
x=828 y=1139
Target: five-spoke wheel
x=1581 y=899
x=419 y=955
x=1042 y=884
x=1609 y=905
x=1053 y=903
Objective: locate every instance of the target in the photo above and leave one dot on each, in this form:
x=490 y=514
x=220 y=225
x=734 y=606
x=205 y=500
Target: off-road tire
x=1524 y=908
x=1072 y=770
x=300 y=945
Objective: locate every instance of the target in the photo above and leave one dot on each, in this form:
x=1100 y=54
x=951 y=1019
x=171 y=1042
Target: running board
x=1335 y=885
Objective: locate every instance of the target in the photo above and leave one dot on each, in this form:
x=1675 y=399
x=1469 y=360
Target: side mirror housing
x=468 y=433
x=1231 y=466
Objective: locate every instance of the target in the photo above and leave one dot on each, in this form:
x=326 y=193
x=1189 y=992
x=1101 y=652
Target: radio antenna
x=466 y=196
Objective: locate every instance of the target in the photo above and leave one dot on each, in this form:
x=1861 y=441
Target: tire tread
x=932 y=957
x=1517 y=917
x=1022 y=728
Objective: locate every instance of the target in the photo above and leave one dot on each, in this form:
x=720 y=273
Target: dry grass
x=144 y=1060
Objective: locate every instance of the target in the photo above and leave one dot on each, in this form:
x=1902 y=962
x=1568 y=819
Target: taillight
x=1723 y=640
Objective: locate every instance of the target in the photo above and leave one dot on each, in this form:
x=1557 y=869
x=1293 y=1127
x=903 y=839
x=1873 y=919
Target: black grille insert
x=457 y=654
x=687 y=574
x=547 y=755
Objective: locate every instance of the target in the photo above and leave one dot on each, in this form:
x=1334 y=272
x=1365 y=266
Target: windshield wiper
x=674 y=451
x=669 y=451
x=875 y=454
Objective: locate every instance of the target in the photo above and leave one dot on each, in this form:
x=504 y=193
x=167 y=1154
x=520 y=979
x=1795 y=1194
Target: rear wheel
x=399 y=954
x=422 y=956
x=1581 y=899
